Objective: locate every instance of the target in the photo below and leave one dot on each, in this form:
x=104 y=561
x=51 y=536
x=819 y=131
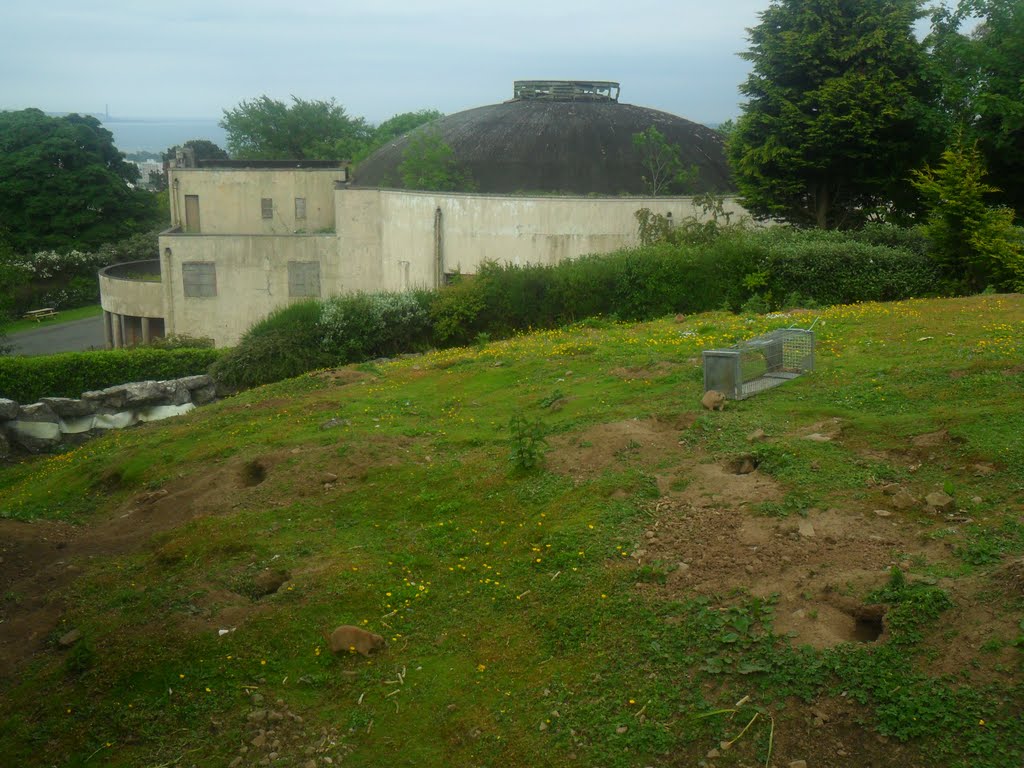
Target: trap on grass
x=760 y=363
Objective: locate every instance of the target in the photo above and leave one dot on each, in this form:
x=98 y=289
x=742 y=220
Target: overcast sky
x=194 y=58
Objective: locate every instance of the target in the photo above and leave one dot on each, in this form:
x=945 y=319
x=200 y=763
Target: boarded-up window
x=304 y=278
x=300 y=207
x=267 y=207
x=192 y=213
x=199 y=279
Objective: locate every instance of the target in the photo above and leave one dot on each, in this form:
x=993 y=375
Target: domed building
x=555 y=174
x=558 y=137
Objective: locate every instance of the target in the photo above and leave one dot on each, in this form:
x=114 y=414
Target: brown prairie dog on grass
x=349 y=639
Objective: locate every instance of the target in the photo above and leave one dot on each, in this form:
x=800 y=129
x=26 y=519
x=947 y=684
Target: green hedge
x=839 y=268
x=777 y=265
x=768 y=268
x=69 y=374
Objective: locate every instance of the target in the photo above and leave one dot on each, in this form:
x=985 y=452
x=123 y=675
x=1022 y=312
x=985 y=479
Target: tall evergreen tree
x=839 y=110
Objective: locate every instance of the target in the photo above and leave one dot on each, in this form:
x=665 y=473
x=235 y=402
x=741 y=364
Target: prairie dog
x=713 y=400
x=349 y=639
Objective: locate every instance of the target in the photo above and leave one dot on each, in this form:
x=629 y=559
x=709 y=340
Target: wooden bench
x=40 y=314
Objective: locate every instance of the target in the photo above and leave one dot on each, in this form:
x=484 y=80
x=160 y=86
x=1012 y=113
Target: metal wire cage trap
x=760 y=363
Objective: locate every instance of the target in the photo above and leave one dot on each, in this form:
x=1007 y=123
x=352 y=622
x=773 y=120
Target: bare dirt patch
x=341 y=376
x=658 y=370
x=819 y=566
x=652 y=442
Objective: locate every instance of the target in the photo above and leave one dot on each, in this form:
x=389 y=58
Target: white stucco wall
x=229 y=199
x=387 y=237
x=252 y=279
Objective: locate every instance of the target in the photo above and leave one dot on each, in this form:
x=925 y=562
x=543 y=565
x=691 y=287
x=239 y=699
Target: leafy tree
x=64 y=184
x=402 y=123
x=265 y=128
x=396 y=126
x=974 y=242
x=429 y=162
x=840 y=109
x=663 y=164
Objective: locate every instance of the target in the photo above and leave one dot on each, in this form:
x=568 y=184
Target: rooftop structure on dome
x=566 y=90
x=569 y=137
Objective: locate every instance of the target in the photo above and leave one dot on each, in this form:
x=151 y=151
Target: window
x=303 y=278
x=300 y=208
x=267 y=207
x=199 y=279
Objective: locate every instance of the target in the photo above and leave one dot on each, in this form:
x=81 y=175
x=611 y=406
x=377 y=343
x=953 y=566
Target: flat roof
x=271 y=164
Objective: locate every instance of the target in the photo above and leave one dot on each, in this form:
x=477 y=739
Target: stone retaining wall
x=60 y=421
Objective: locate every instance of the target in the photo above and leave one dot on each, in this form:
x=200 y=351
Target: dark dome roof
x=547 y=141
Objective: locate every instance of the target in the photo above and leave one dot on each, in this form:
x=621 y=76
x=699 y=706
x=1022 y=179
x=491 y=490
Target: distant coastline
x=143 y=134
x=155 y=134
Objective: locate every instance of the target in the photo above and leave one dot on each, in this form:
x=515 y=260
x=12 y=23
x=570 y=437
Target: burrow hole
x=253 y=473
x=868 y=623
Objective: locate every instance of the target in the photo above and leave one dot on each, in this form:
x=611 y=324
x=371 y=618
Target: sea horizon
x=156 y=134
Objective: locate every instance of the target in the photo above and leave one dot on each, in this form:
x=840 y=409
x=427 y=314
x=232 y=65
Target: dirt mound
x=658 y=370
x=636 y=442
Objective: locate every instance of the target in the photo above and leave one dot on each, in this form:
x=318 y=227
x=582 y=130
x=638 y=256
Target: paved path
x=76 y=336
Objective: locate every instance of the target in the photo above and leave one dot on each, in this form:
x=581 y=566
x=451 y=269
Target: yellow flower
x=480 y=667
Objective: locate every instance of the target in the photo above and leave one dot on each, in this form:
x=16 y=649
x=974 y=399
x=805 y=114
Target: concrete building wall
x=252 y=279
x=397 y=239
x=229 y=200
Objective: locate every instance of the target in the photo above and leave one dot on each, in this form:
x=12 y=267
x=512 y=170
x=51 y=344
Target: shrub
x=284 y=344
x=69 y=374
x=455 y=311
x=366 y=325
x=831 y=267
x=527 y=441
x=314 y=334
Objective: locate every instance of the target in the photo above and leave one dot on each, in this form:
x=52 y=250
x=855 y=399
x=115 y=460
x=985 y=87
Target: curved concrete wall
x=132 y=298
x=123 y=293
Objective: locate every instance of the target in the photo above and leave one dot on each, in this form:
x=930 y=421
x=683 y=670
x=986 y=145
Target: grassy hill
x=639 y=599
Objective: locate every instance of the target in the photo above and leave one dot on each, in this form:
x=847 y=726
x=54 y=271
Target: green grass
x=519 y=629
x=63 y=316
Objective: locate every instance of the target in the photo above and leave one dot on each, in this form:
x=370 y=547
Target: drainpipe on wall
x=175 y=213
x=438 y=251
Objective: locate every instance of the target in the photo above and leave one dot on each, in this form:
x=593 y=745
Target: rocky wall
x=56 y=422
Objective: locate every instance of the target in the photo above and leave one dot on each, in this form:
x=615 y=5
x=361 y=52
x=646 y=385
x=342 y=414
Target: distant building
x=249 y=237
